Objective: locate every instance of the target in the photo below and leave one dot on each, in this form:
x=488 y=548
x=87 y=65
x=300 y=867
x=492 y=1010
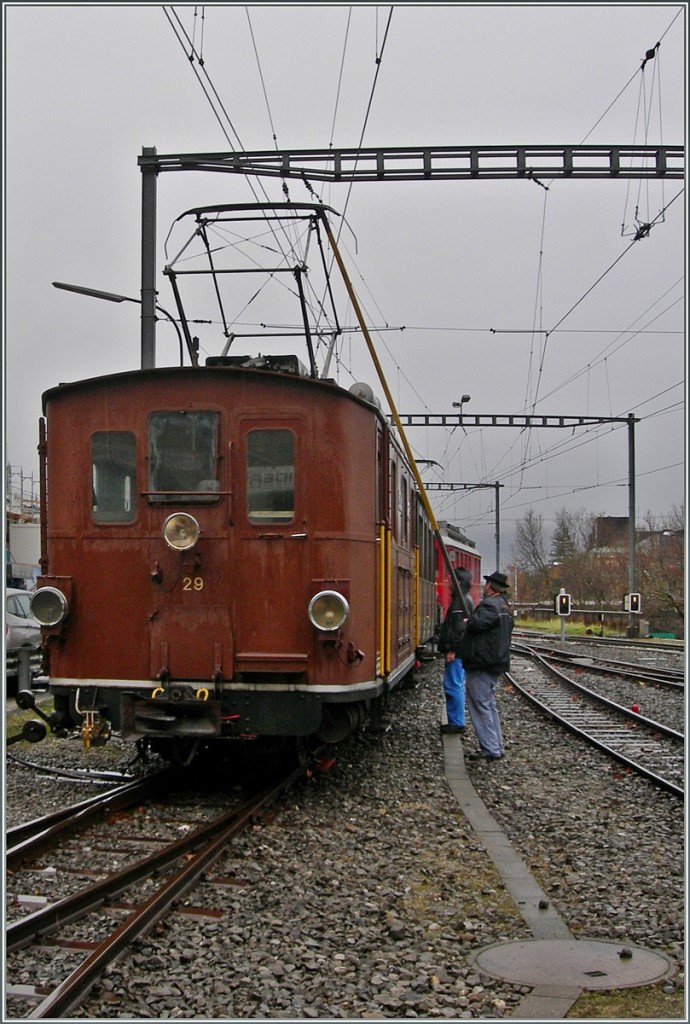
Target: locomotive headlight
x=328 y=610
x=49 y=606
x=181 y=531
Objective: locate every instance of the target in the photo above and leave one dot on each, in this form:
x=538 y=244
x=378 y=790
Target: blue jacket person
x=449 y=643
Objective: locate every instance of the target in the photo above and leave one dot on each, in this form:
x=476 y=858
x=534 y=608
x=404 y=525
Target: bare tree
x=531 y=553
x=661 y=569
x=573 y=558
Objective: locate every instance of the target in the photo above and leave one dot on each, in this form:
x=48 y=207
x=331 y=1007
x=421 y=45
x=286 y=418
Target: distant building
x=22 y=552
x=612 y=534
x=455 y=534
x=611 y=531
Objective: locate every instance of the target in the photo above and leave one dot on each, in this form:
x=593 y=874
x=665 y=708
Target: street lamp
x=459 y=405
x=113 y=297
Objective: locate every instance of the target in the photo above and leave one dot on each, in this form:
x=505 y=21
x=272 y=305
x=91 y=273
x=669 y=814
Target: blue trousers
x=454 y=689
x=481 y=704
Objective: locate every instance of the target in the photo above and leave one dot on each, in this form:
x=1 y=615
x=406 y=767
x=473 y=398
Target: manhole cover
x=581 y=963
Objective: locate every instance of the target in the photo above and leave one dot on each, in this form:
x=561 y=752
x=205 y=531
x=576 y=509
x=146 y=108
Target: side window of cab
x=113 y=476
x=270 y=476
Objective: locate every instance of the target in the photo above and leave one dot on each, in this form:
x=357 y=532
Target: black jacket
x=453 y=628
x=486 y=641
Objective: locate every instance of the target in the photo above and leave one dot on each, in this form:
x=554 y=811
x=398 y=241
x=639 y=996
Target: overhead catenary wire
x=571 y=444
x=201 y=32
x=378 y=61
x=365 y=121
x=340 y=77
x=378 y=64
x=193 y=57
x=559 y=448
x=220 y=111
x=216 y=104
x=640 y=233
x=539 y=289
x=619 y=482
x=606 y=354
x=263 y=83
x=589 y=434
x=581 y=299
x=549 y=334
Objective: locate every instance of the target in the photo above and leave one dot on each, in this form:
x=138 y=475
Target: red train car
x=228 y=551
x=463 y=555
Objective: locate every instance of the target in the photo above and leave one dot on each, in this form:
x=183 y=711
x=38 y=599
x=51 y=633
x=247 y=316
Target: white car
x=21 y=631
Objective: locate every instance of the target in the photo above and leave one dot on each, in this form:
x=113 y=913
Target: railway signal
x=633 y=603
x=562 y=603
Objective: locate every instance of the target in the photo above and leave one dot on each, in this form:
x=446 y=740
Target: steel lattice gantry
x=397 y=163
x=441 y=419
x=415 y=163
x=526 y=422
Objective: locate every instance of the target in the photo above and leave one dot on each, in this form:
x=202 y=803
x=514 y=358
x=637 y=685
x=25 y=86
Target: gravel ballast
x=366 y=892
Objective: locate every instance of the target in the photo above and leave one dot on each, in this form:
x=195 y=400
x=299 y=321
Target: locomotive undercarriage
x=182 y=718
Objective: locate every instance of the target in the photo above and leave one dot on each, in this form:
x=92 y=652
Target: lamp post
x=95 y=293
x=459 y=405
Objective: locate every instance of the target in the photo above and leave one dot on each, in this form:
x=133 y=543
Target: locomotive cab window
x=270 y=476
x=183 y=462
x=113 y=466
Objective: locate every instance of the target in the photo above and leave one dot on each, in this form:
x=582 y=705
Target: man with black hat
x=486 y=656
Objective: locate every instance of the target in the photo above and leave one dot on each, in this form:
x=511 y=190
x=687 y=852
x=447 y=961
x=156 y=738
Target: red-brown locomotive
x=230 y=550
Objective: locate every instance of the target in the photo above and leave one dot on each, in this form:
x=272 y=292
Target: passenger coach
x=462 y=554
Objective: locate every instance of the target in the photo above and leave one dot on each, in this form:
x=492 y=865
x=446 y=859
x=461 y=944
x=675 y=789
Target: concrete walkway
x=544 y=1002
x=557 y=965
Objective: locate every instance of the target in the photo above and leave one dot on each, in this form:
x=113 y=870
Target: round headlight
x=328 y=610
x=181 y=531
x=49 y=606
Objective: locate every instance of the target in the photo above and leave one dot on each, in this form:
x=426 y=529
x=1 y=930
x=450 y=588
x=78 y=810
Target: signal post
x=561 y=604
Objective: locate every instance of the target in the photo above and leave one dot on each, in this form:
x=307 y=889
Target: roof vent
x=363 y=390
x=278 y=364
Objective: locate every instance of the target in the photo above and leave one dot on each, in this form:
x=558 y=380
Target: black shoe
x=448 y=728
x=480 y=756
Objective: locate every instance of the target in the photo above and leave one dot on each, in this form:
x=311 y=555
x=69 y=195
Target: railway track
x=26 y=841
x=183 y=861
x=610 y=642
x=667 y=676
x=645 y=746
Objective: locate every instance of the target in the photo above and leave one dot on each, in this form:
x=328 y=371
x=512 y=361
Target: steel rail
x=677 y=646
x=74 y=774
x=671 y=678
x=600 y=724
x=597 y=698
x=214 y=836
x=31 y=838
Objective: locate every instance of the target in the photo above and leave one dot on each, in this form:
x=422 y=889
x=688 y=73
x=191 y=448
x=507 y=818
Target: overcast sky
x=474 y=271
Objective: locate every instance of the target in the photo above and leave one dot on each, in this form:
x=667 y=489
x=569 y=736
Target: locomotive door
x=271 y=557
x=191 y=637
x=385 y=536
